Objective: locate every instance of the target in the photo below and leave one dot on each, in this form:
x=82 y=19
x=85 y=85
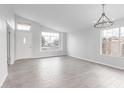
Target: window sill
x=50 y=50
x=112 y=56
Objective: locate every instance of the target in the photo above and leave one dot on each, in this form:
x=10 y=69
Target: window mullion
x=119 y=42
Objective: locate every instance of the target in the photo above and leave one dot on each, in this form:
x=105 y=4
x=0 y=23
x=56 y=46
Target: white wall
x=85 y=44
x=6 y=14
x=36 y=32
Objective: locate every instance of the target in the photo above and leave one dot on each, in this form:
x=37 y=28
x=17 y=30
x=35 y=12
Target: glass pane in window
x=115 y=50
x=122 y=41
x=110 y=42
x=50 y=40
x=106 y=39
x=23 y=27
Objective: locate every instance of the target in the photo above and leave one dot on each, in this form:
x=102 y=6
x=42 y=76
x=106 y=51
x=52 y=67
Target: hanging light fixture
x=103 y=21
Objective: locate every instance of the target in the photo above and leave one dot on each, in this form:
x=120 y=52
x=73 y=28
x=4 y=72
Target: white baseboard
x=42 y=57
x=94 y=61
x=2 y=81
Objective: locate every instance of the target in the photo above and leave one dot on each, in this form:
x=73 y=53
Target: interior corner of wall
x=4 y=78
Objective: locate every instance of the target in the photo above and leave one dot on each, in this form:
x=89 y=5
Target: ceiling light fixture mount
x=103 y=21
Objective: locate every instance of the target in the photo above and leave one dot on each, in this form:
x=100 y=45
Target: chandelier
x=103 y=21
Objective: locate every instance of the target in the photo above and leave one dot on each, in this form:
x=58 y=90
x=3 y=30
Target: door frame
x=8 y=43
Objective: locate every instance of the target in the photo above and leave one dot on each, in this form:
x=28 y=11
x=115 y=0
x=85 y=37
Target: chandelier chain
x=103 y=7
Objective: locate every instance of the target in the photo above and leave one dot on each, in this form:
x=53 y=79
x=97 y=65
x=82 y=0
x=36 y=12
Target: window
x=25 y=27
x=122 y=41
x=50 y=40
x=113 y=42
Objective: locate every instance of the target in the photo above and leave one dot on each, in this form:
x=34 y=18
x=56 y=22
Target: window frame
x=25 y=24
x=50 y=48
x=101 y=41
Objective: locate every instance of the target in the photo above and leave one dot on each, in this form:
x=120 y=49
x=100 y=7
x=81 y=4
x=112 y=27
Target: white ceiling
x=68 y=17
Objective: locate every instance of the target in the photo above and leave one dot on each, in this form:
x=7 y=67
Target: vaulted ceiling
x=68 y=17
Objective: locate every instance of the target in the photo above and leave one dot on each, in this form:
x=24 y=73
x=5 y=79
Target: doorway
x=23 y=44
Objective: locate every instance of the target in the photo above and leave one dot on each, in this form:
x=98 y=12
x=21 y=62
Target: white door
x=23 y=44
